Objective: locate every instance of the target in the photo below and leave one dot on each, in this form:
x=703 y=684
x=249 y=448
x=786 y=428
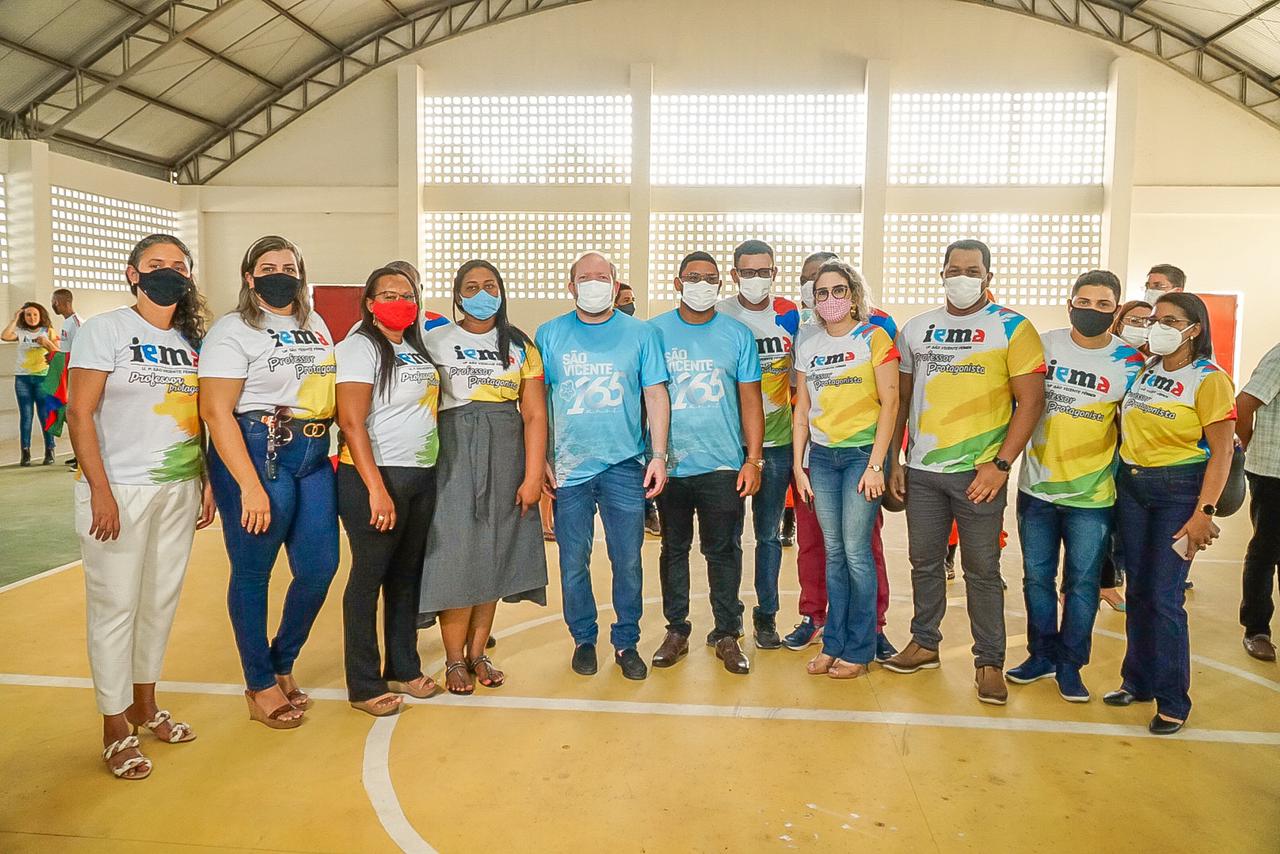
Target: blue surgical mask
x=482 y=306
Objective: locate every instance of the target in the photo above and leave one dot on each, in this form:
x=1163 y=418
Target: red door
x=1224 y=321
x=339 y=305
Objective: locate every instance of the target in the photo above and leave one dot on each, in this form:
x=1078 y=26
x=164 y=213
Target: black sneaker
x=491 y=642
x=884 y=649
x=48 y=457
x=26 y=457
x=652 y=526
x=788 y=537
x=766 y=634
x=633 y=666
x=71 y=461
x=584 y=659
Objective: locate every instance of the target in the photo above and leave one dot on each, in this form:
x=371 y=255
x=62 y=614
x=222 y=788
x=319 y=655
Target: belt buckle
x=313 y=429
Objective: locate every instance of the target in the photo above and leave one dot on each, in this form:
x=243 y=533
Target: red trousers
x=812 y=563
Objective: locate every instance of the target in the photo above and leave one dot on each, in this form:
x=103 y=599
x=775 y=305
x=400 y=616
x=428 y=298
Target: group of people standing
x=452 y=432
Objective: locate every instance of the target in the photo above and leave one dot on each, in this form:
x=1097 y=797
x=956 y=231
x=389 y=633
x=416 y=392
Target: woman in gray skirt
x=486 y=540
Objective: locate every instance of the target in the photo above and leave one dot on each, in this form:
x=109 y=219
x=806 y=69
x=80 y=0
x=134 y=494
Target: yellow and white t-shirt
x=1163 y=417
x=774 y=328
x=960 y=399
x=147 y=421
x=281 y=364
x=1070 y=459
x=839 y=374
x=471 y=368
x=401 y=423
x=31 y=361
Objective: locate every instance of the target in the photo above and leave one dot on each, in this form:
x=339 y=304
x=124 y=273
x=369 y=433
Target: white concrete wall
x=1204 y=182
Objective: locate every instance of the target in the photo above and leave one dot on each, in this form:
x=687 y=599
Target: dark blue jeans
x=30 y=405
x=847 y=519
x=618 y=493
x=1151 y=505
x=304 y=519
x=767 y=506
x=1082 y=536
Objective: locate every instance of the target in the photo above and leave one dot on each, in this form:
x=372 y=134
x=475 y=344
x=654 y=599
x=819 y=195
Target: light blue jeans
x=847 y=519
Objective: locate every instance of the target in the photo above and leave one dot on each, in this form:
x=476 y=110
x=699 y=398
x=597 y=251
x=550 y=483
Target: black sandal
x=491 y=670
x=451 y=666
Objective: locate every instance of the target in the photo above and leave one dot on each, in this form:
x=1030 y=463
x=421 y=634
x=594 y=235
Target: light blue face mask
x=482 y=305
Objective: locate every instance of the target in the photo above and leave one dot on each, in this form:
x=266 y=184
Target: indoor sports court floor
x=694 y=759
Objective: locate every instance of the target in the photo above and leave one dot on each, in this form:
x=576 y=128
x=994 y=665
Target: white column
x=641 y=195
x=1117 y=175
x=409 y=158
x=875 y=183
x=30 y=224
x=190 y=225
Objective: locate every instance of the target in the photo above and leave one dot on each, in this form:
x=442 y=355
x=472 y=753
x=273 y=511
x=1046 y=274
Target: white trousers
x=132 y=583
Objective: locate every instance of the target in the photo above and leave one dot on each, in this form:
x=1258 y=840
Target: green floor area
x=37 y=529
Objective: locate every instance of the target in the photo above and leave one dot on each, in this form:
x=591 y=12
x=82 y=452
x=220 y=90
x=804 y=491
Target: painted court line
x=698 y=710
x=376 y=776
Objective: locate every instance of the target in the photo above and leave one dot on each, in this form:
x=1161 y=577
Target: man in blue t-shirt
x=716 y=411
x=600 y=364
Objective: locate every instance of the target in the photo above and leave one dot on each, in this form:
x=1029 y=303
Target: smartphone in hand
x=1180 y=547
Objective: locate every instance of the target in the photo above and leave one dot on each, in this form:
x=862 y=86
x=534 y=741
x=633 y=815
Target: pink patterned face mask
x=833 y=310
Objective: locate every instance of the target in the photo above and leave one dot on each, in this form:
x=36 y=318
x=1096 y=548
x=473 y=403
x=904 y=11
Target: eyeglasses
x=694 y=278
x=760 y=273
x=394 y=296
x=1169 y=322
x=839 y=292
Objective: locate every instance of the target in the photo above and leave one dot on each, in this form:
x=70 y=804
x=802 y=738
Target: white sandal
x=122 y=770
x=179 y=733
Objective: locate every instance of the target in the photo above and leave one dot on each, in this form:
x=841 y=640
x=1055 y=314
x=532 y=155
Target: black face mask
x=278 y=290
x=1089 y=322
x=165 y=286
x=629 y=308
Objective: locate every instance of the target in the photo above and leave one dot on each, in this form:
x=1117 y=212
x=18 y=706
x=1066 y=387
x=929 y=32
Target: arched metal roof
x=185 y=87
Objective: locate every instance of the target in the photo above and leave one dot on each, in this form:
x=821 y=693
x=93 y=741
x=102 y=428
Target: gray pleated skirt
x=479 y=549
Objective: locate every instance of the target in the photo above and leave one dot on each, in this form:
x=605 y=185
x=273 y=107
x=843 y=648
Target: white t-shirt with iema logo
x=147 y=422
x=281 y=364
x=402 y=422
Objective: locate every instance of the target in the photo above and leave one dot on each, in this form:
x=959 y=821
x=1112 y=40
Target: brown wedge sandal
x=841 y=669
x=273 y=719
x=380 y=707
x=818 y=667
x=426 y=687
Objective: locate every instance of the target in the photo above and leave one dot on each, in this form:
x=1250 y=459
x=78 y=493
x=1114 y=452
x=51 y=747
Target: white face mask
x=755 y=290
x=1151 y=295
x=806 y=294
x=699 y=296
x=963 y=291
x=1163 y=340
x=1134 y=336
x=594 y=296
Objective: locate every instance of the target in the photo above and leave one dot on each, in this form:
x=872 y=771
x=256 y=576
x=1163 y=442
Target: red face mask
x=396 y=315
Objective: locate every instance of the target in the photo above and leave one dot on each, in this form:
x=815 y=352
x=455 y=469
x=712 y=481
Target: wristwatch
x=660 y=455
x=1003 y=465
x=758 y=462
x=875 y=468
x=1209 y=510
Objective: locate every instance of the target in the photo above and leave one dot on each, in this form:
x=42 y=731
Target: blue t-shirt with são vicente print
x=706 y=362
x=595 y=374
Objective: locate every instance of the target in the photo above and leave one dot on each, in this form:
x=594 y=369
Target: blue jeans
x=767 y=506
x=1151 y=505
x=847 y=519
x=304 y=519
x=30 y=405
x=1082 y=535
x=618 y=492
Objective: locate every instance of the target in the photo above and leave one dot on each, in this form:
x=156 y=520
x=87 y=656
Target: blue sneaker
x=1031 y=670
x=884 y=649
x=1071 y=686
x=805 y=633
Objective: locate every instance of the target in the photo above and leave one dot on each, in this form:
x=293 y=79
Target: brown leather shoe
x=1260 y=647
x=989 y=680
x=675 y=646
x=735 y=660
x=913 y=658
